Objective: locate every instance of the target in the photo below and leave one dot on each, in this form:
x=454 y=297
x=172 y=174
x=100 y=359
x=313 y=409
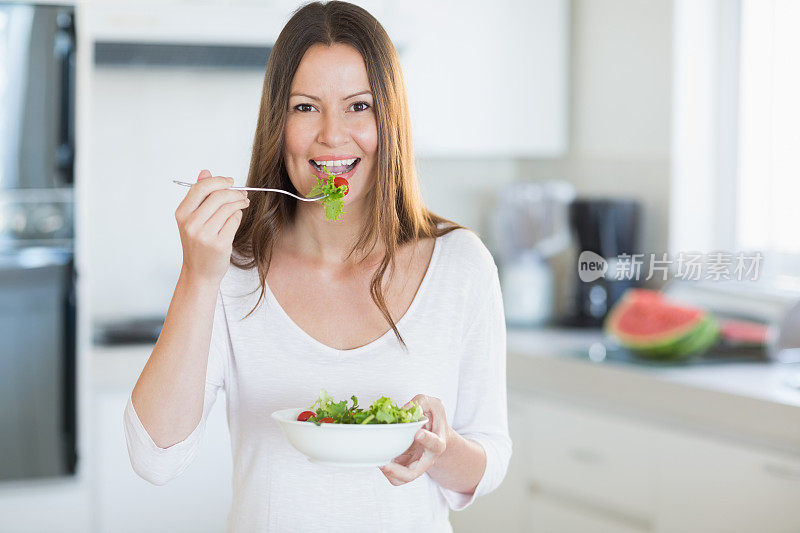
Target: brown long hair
x=397 y=214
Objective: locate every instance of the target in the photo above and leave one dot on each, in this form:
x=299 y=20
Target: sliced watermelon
x=696 y=342
x=646 y=322
x=744 y=332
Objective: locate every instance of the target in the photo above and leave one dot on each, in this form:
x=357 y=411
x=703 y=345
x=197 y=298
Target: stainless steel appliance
x=37 y=276
x=529 y=226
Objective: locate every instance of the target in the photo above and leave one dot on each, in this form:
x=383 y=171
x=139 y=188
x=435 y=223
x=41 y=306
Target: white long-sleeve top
x=456 y=338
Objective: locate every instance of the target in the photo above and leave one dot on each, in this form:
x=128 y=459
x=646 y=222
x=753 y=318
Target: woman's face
x=331 y=118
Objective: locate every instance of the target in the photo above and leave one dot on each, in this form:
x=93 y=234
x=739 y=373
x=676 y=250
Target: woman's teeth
x=336 y=167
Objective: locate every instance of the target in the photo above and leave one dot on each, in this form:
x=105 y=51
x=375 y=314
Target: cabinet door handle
x=585 y=456
x=782 y=471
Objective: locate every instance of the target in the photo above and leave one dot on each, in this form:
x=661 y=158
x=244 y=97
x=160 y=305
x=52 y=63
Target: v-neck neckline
x=376 y=342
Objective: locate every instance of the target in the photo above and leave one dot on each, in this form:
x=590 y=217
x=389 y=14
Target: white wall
x=150 y=126
x=620 y=109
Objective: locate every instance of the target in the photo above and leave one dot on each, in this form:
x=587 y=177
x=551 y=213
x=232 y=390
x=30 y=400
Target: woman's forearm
x=461 y=466
x=169 y=395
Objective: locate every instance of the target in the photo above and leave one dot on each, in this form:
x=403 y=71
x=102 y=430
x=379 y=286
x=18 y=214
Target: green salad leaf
x=334 y=202
x=381 y=411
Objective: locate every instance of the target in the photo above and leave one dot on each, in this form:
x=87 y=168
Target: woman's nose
x=333 y=131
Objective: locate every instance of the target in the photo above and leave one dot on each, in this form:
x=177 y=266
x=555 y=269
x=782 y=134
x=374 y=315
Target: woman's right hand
x=208 y=218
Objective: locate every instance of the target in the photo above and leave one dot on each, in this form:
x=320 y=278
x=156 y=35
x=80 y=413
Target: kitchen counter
x=756 y=402
x=752 y=402
x=117 y=367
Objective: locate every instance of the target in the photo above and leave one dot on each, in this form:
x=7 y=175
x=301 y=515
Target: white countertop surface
x=756 y=402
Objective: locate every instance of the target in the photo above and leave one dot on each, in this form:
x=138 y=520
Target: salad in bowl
x=335 y=433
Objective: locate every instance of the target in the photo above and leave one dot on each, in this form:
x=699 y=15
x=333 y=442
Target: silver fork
x=312 y=199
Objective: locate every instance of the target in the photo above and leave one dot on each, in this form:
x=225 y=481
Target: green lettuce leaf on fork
x=334 y=202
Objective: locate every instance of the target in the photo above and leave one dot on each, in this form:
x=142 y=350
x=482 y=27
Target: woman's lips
x=321 y=174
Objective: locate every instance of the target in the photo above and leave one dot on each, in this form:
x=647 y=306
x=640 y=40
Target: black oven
x=38 y=422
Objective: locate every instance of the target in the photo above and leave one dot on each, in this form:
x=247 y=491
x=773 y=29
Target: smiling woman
x=334 y=92
x=330 y=119
x=274 y=303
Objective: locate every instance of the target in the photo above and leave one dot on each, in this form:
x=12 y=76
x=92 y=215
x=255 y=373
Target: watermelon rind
x=693 y=337
x=680 y=344
x=696 y=343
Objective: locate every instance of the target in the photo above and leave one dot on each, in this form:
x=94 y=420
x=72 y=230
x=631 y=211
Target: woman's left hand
x=430 y=442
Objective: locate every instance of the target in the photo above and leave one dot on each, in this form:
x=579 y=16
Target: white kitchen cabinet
x=588 y=470
x=487 y=78
x=244 y=22
x=198 y=500
x=593 y=457
x=547 y=514
x=186 y=23
x=710 y=486
x=522 y=503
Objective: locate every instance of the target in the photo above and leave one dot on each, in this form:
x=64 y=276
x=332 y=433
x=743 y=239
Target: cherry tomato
x=338 y=182
x=305 y=415
x=326 y=420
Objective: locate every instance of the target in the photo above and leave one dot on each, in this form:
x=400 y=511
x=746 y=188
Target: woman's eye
x=360 y=106
x=364 y=104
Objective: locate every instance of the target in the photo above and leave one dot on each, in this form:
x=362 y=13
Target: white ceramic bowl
x=347 y=444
